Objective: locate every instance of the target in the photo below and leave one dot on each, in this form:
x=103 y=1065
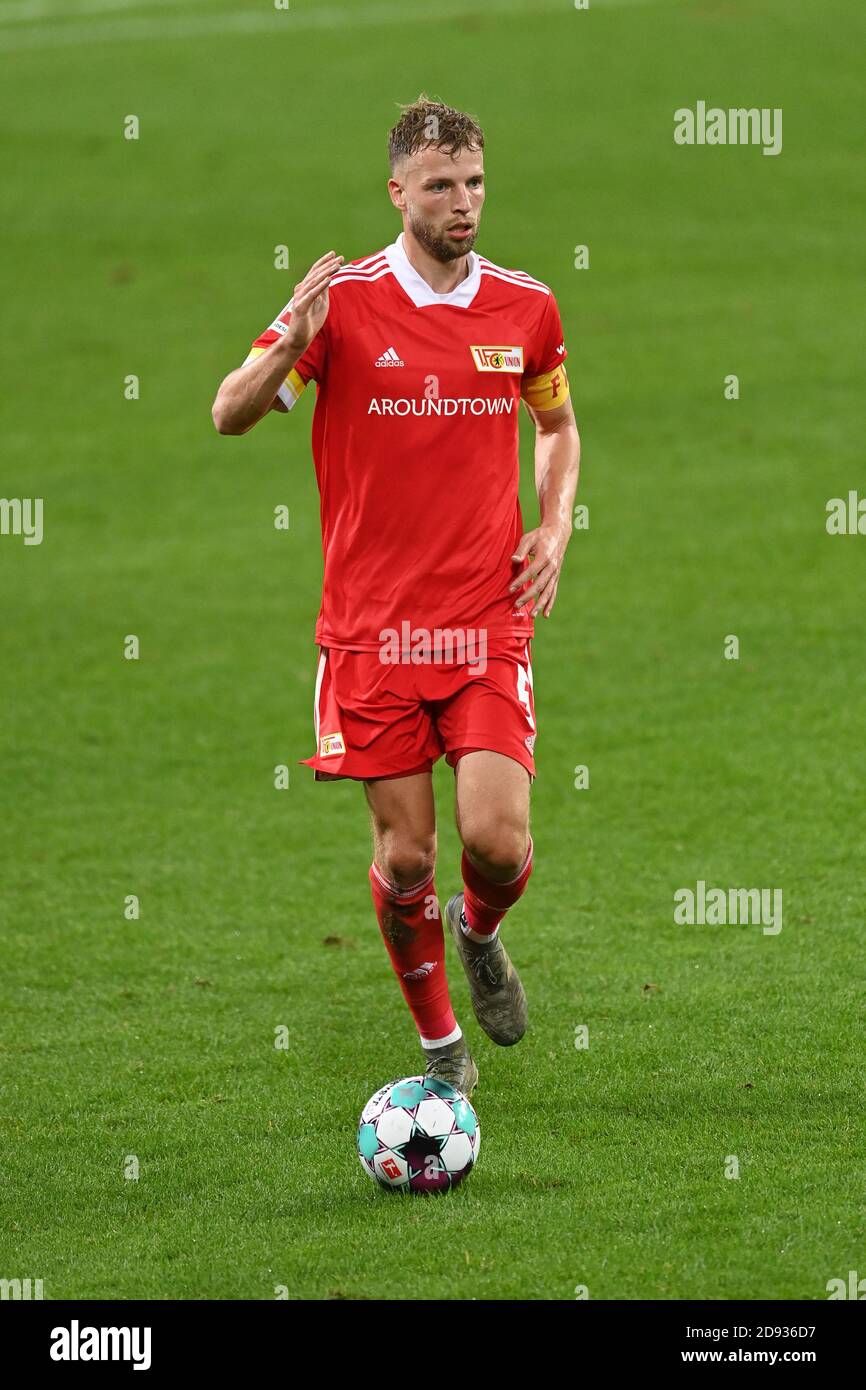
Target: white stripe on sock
x=481 y=937
x=395 y=890
x=430 y=1043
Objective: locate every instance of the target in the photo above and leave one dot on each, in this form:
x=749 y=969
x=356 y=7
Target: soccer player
x=421 y=354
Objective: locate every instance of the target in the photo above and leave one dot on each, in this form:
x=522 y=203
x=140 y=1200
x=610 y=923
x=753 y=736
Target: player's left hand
x=546 y=548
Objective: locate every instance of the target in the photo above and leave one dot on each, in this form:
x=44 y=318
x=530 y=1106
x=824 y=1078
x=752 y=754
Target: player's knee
x=497 y=850
x=408 y=862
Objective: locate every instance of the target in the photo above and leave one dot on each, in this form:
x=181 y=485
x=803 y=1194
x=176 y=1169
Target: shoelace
x=445 y=1069
x=483 y=971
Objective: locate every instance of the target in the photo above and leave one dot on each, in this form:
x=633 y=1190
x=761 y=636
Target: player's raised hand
x=310 y=301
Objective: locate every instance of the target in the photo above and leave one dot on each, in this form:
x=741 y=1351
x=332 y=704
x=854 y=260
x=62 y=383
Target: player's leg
x=487 y=723
x=403 y=822
x=492 y=808
x=492 y=803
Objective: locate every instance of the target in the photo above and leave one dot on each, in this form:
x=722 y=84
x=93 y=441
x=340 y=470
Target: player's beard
x=438 y=244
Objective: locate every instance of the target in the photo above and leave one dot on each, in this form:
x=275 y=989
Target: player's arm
x=247 y=394
x=557 y=465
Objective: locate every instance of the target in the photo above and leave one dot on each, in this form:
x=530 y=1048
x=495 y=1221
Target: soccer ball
x=419 y=1135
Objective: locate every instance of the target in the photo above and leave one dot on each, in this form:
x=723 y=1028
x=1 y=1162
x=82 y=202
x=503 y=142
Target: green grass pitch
x=601 y=1167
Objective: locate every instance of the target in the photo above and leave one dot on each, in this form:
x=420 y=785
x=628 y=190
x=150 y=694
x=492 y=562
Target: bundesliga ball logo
x=418 y=1135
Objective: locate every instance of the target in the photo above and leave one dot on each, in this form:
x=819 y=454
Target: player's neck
x=441 y=276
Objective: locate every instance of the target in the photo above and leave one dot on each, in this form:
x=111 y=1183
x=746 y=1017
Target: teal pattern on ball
x=367 y=1141
x=464 y=1116
x=444 y=1089
x=407 y=1095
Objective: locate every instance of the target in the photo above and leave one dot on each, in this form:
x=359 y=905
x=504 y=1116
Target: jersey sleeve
x=310 y=367
x=545 y=381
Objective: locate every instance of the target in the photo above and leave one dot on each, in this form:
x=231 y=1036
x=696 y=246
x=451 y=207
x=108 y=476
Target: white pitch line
x=31 y=11
x=34 y=11
x=135 y=29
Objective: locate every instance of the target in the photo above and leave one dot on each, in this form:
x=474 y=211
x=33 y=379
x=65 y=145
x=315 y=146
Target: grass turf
x=601 y=1167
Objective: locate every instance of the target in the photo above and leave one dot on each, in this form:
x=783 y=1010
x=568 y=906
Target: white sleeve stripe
x=316 y=696
x=519 y=284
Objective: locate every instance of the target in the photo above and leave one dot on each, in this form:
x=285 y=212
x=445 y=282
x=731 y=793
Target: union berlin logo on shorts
x=330 y=745
x=497 y=359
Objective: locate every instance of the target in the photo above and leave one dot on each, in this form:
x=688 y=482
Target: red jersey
x=415 y=442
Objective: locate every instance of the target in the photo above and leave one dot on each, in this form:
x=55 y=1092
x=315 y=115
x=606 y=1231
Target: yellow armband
x=291 y=389
x=545 y=392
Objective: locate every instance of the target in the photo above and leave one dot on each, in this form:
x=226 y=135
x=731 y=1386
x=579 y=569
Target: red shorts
x=376 y=719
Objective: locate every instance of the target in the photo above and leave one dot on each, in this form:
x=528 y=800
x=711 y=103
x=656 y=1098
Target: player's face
x=442 y=198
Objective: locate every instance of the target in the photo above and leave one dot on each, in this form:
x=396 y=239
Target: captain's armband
x=291 y=389
x=547 y=391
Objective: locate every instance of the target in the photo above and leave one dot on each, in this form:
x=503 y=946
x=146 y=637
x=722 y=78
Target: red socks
x=485 y=903
x=412 y=931
x=411 y=928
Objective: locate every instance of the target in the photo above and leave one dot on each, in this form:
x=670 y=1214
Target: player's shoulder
x=357 y=276
x=516 y=284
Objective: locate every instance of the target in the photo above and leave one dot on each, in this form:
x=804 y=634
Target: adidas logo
x=389 y=358
x=421 y=972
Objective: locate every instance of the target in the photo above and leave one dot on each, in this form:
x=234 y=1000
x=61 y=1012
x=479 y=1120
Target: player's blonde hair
x=426 y=122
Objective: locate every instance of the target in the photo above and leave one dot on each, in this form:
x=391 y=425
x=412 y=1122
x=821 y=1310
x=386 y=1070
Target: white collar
x=416 y=286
